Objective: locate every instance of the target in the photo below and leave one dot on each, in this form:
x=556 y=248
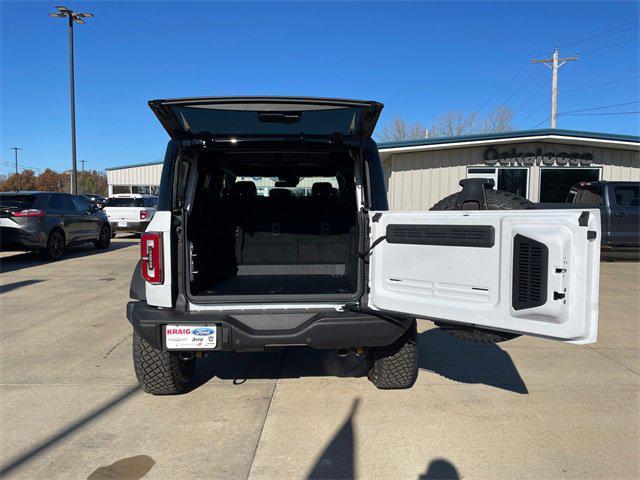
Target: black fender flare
x=137 y=287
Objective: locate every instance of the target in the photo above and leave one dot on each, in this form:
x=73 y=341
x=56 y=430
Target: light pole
x=16 y=149
x=73 y=17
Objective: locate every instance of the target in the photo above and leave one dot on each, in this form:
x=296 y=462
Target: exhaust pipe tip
x=186 y=356
x=342 y=352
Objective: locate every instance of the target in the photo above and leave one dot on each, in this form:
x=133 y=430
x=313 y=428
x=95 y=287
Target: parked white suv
x=130 y=212
x=273 y=231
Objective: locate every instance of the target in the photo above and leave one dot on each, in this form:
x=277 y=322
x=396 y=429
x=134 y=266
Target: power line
x=530 y=114
x=602 y=107
x=543 y=121
x=608 y=46
x=531 y=97
x=598 y=85
x=605 y=33
x=503 y=88
x=602 y=113
x=520 y=87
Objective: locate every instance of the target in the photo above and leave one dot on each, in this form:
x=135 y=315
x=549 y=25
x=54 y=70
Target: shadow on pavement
x=445 y=355
x=19 y=261
x=52 y=440
x=438 y=352
x=15 y=285
x=337 y=460
x=440 y=469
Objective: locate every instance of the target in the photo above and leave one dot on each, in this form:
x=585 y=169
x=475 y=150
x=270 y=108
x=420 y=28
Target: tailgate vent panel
x=530 y=273
x=482 y=236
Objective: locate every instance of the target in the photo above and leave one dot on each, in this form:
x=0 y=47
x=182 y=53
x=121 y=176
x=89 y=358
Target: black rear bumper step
x=322 y=330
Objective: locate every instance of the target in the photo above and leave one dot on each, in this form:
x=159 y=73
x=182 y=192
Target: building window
x=514 y=180
x=121 y=189
x=555 y=183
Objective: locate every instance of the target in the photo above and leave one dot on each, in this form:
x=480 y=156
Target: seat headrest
x=279 y=193
x=244 y=189
x=323 y=190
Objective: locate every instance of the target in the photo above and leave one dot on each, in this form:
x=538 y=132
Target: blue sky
x=420 y=59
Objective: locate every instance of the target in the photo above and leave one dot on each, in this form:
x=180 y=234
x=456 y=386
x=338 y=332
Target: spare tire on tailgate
x=496 y=200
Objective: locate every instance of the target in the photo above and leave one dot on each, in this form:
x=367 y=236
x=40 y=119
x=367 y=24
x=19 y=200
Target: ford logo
x=204 y=331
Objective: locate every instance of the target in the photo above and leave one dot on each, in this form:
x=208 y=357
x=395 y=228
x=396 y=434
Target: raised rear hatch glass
x=268 y=116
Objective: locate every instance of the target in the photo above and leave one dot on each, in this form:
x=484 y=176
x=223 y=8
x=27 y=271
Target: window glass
x=122 y=189
x=303 y=188
x=628 y=196
x=481 y=170
x=202 y=119
x=555 y=183
x=80 y=205
x=513 y=180
x=20 y=202
x=62 y=203
x=588 y=196
x=125 y=202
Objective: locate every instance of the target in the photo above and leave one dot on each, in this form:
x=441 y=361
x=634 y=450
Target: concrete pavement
x=528 y=408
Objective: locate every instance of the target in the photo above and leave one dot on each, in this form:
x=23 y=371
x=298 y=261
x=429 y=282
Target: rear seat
x=283 y=229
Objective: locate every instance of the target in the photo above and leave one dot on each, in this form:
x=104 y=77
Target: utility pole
x=73 y=17
x=82 y=162
x=15 y=150
x=554 y=80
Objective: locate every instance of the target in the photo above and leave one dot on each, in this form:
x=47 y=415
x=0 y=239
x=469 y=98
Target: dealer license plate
x=181 y=337
x=122 y=223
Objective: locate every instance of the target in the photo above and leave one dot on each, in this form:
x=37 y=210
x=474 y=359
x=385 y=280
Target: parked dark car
x=49 y=222
x=96 y=200
x=619 y=205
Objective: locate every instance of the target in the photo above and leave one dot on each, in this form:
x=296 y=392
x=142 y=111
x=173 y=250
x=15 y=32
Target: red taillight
x=151 y=255
x=30 y=212
x=143 y=214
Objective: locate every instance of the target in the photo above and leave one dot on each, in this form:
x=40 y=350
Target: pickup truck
x=130 y=212
x=619 y=205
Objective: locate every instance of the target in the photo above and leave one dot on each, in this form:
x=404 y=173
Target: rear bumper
x=323 y=330
x=15 y=239
x=130 y=227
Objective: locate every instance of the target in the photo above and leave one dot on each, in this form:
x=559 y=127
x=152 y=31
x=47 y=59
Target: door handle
x=620 y=214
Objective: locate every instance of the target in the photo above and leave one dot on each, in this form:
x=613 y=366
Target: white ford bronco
x=272 y=230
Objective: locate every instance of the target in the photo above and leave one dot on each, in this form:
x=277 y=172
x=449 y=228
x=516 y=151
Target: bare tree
x=399 y=129
x=499 y=120
x=450 y=124
x=454 y=123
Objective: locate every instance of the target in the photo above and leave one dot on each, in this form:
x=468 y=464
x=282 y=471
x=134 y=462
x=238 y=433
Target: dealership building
x=540 y=165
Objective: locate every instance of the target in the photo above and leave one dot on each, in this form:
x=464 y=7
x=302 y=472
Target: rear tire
x=160 y=372
x=496 y=200
x=104 y=239
x=55 y=245
x=395 y=366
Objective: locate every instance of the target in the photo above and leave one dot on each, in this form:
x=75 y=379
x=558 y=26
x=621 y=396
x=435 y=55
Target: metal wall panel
x=417 y=180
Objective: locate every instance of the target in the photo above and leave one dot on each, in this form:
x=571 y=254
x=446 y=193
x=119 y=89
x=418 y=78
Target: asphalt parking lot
x=528 y=408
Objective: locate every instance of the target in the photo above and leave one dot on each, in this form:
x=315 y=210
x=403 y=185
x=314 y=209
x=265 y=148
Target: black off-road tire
x=160 y=372
x=104 y=238
x=55 y=245
x=496 y=200
x=396 y=366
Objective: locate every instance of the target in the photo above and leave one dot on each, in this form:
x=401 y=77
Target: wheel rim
x=104 y=235
x=56 y=244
